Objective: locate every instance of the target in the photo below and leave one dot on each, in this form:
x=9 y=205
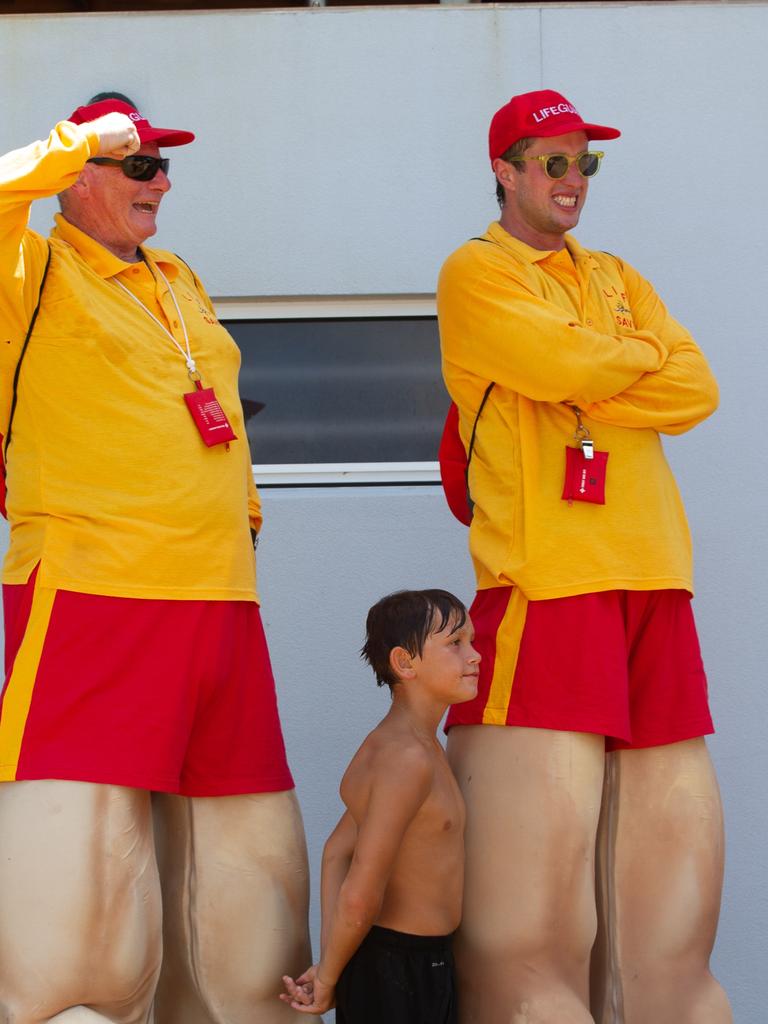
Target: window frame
x=334 y=307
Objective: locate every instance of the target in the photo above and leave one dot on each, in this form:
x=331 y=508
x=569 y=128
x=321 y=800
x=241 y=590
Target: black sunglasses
x=138 y=167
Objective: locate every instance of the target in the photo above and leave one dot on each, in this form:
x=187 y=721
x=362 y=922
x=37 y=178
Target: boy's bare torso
x=424 y=890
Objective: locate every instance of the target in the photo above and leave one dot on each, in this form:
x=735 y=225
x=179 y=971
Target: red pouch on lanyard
x=585 y=468
x=210 y=419
x=584 y=477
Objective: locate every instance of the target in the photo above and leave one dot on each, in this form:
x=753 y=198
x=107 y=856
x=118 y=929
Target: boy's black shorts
x=395 y=978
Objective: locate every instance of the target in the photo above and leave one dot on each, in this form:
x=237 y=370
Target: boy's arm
x=399 y=786
x=337 y=857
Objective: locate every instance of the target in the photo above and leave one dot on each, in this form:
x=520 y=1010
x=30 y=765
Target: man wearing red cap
x=566 y=367
x=135 y=657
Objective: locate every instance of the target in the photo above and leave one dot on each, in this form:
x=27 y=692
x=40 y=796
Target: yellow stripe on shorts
x=18 y=693
x=508 y=637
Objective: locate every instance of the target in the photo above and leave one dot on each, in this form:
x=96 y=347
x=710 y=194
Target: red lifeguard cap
x=540 y=114
x=162 y=136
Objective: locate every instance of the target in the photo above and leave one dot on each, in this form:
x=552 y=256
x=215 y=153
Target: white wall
x=342 y=151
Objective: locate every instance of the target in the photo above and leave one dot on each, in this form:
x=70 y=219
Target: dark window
x=341 y=390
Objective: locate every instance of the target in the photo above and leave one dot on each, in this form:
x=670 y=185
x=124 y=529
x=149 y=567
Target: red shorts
x=623 y=664
x=176 y=696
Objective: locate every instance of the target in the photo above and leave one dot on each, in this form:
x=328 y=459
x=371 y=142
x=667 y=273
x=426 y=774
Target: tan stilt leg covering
x=79 y=1015
x=80 y=928
x=606 y=996
x=661 y=869
x=533 y=802
x=235 y=888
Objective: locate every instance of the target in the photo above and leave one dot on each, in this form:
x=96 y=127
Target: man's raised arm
x=33 y=172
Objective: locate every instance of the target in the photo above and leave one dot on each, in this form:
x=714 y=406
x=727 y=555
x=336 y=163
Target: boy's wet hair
x=405 y=619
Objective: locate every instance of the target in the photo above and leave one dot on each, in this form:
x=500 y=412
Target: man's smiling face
x=537 y=209
x=124 y=209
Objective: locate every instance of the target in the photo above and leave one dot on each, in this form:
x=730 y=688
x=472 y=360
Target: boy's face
x=449 y=665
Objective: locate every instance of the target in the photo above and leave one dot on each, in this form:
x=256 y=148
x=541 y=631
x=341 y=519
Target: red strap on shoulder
x=2 y=481
x=453 y=467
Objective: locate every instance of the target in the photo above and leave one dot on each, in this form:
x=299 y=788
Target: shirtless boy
x=393 y=868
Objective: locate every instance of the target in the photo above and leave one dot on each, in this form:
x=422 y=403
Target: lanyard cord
x=185 y=352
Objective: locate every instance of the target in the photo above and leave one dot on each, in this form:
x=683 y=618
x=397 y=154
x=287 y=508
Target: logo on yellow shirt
x=206 y=313
x=622 y=314
x=202 y=309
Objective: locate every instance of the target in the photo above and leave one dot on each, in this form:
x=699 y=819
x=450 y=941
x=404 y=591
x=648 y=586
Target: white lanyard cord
x=186 y=355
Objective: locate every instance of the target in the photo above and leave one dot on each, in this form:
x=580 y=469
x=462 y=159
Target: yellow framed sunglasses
x=556 y=165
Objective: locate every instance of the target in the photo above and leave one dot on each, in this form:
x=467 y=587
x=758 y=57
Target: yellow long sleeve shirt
x=554 y=330
x=110 y=486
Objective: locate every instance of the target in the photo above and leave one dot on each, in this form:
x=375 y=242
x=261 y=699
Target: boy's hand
x=308 y=993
